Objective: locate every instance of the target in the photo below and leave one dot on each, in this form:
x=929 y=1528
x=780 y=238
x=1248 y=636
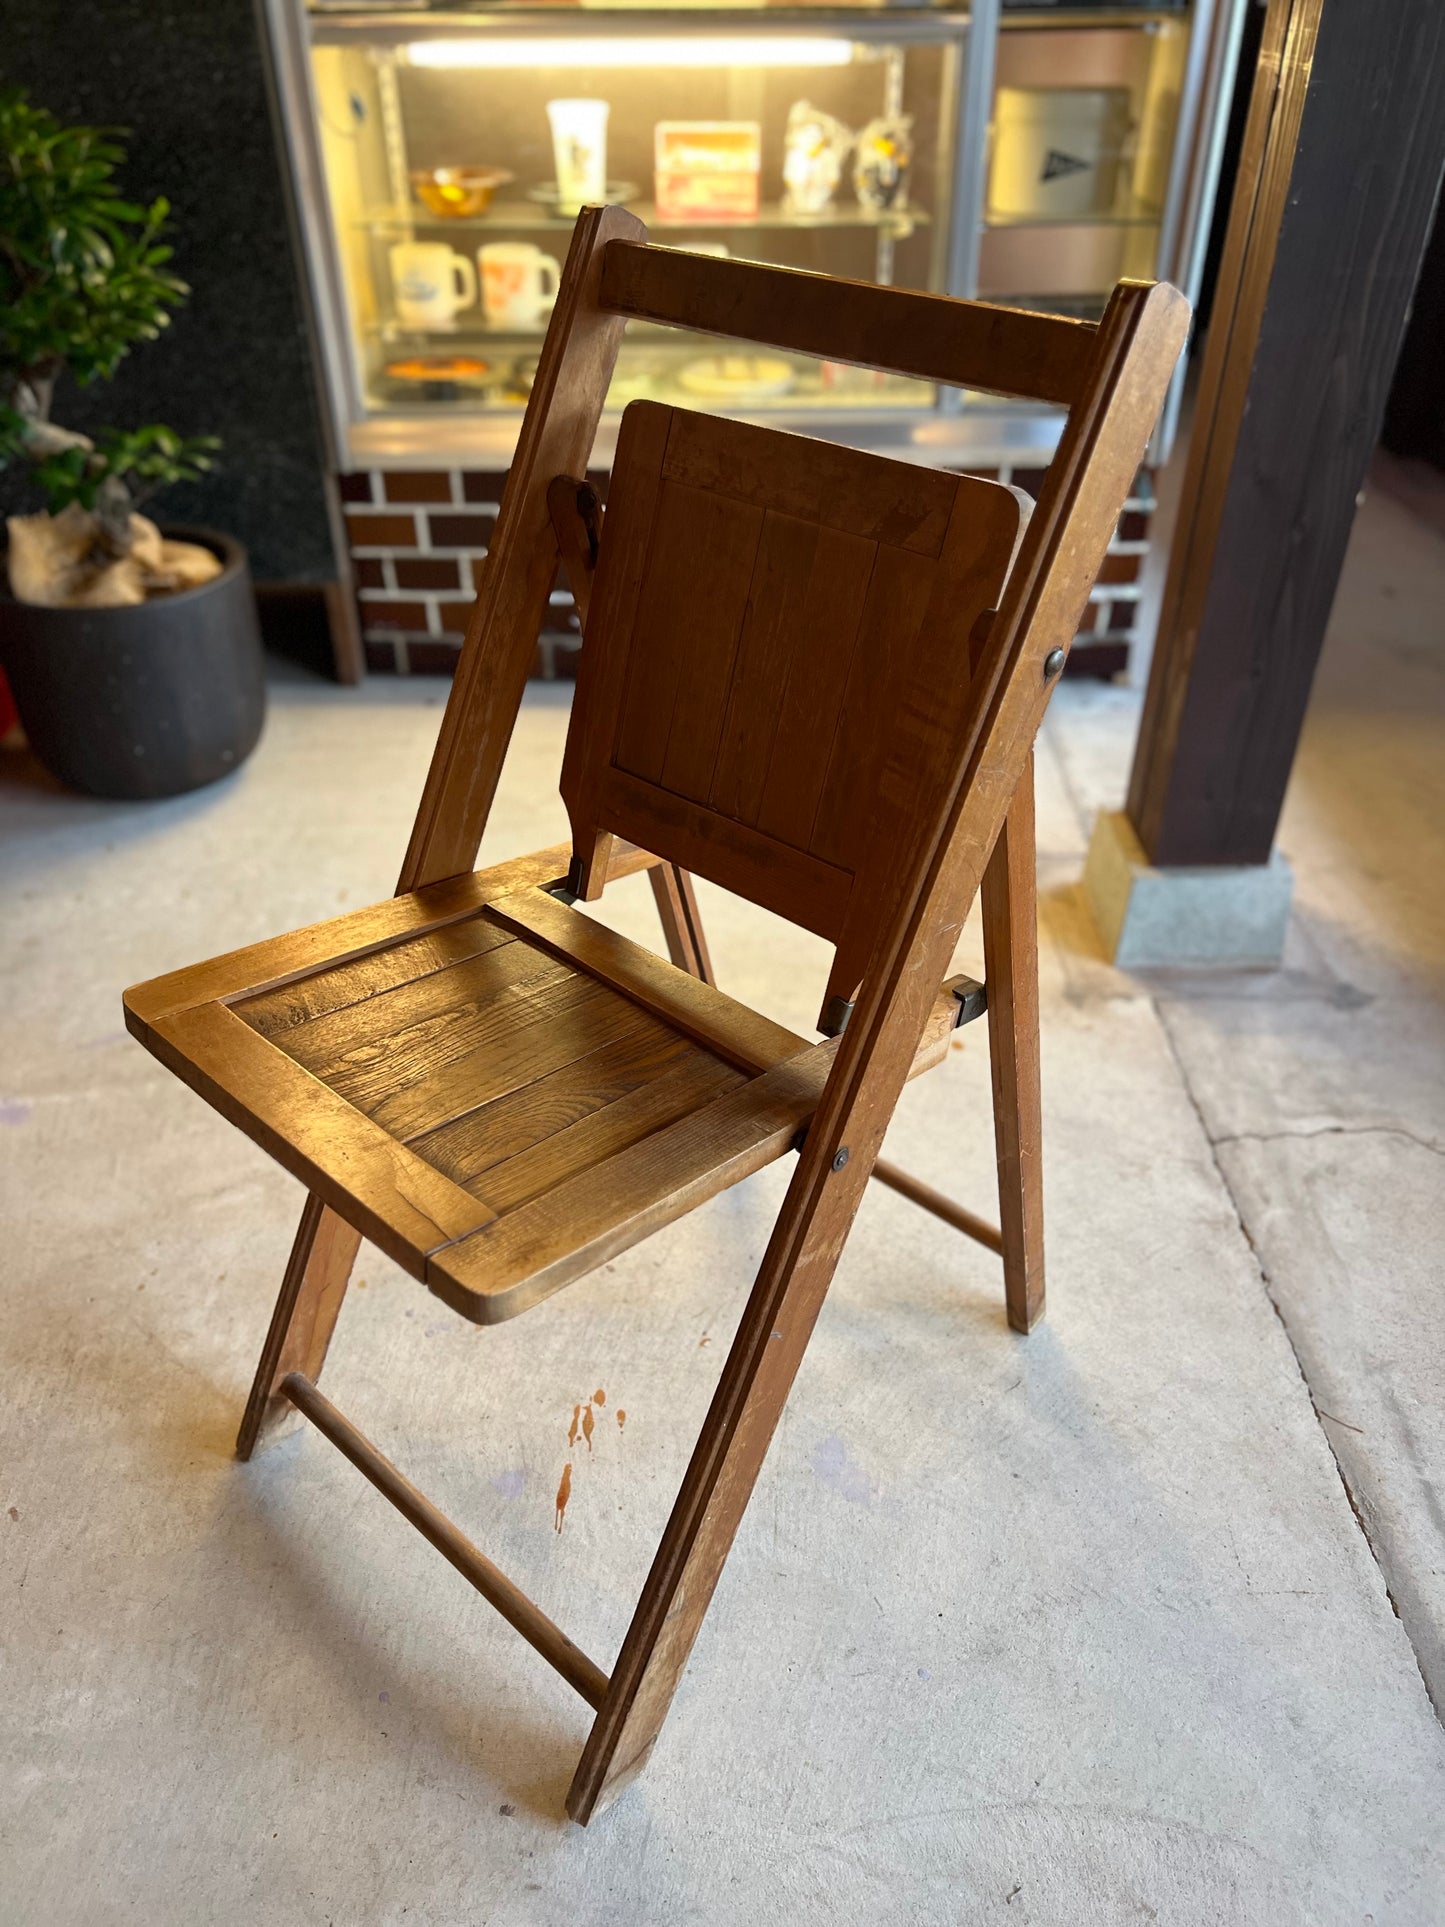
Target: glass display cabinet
x=439 y=156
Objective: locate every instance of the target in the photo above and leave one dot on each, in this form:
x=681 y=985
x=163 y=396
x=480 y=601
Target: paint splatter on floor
x=587 y=1427
x=837 y=1470
x=564 y=1493
x=621 y=1418
x=575 y=1427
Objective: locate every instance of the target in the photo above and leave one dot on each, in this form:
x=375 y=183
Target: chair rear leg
x=681 y=924
x=317 y=1274
x=1011 y=967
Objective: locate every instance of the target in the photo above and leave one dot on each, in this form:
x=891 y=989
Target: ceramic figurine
x=881 y=163
x=815 y=147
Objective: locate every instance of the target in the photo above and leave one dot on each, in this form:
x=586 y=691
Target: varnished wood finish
x=1138 y=344
x=743 y=1036
x=793 y=681
x=777 y=663
x=304 y=1319
x=1006 y=351
x=941 y=1205
x=323 y=947
x=532 y=1251
x=1011 y=969
x=568 y=390
x=523 y=1063
x=490 y=1581
x=681 y=924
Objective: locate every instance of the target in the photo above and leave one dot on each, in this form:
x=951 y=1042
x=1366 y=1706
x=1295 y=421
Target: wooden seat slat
x=506 y=1126
x=520 y=1258
x=685 y=1087
x=325 y=991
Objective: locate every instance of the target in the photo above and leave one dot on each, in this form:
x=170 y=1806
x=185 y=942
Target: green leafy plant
x=84 y=277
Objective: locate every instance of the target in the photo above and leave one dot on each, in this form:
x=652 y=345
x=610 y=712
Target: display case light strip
x=628 y=50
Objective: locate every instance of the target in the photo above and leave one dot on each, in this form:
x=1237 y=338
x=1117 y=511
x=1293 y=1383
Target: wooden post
x=1340 y=168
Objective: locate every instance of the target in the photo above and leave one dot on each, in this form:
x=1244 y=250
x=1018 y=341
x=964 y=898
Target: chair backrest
x=1110 y=376
x=771 y=617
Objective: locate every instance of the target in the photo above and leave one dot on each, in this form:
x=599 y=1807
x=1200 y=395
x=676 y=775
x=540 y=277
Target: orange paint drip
x=564 y=1493
x=576 y=1425
x=587 y=1427
x=621 y=1418
x=599 y=1397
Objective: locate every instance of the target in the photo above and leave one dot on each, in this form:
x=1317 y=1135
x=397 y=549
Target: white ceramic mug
x=579 y=147
x=431 y=282
x=519 y=283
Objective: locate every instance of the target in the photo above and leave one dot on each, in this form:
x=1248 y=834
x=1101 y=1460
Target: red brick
x=369 y=572
x=355 y=488
x=427 y=572
x=460 y=531
x=1121 y=615
x=433 y=658
x=381 y=658
x=454 y=617
x=1101 y=659
x=394 y=615
x=483 y=487
x=381 y=531
x=1120 y=568
x=1134 y=527
x=417 y=485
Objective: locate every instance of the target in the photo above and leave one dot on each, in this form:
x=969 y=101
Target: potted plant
x=133 y=655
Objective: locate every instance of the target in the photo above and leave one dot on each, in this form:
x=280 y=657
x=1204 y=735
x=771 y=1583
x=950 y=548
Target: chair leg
x=1011 y=967
x=681 y=924
x=772 y=1337
x=317 y=1274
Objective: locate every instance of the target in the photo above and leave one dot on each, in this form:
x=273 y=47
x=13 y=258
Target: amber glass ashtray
x=457 y=192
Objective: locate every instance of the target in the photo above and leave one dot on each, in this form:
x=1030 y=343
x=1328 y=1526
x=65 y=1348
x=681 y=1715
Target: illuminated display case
x=438 y=154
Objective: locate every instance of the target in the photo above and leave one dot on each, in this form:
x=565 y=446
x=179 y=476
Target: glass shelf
x=532 y=214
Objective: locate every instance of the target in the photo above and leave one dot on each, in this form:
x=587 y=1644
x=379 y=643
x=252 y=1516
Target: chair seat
x=496 y=1089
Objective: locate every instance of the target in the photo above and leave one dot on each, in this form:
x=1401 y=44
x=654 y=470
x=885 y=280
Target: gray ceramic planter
x=142 y=702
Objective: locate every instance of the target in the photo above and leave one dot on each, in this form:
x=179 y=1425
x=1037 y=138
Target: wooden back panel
x=612 y=274
x=777 y=664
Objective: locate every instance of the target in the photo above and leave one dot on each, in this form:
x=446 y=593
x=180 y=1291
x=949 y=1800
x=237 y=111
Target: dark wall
x=186 y=77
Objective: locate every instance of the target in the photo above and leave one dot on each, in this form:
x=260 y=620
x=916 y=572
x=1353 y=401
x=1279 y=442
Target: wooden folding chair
x=810 y=674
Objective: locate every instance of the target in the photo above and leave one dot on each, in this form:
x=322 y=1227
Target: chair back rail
x=966 y=344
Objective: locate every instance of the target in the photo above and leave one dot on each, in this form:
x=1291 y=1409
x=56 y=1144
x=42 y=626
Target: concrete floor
x=1094 y=1627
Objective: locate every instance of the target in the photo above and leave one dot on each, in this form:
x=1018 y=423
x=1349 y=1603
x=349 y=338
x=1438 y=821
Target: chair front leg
x=1011 y=968
x=317 y=1274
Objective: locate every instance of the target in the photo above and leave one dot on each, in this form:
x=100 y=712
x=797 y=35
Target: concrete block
x=1232 y=918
